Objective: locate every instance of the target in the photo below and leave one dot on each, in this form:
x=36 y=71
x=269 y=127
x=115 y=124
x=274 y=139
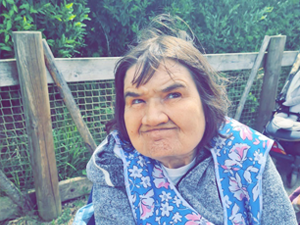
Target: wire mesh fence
x=95 y=100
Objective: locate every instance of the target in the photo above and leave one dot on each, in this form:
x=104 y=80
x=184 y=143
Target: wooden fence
x=90 y=69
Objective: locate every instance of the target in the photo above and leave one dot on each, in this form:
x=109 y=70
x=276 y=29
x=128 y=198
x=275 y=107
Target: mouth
x=157 y=130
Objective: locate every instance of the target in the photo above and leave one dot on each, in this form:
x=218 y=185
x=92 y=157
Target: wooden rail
x=89 y=69
x=69 y=189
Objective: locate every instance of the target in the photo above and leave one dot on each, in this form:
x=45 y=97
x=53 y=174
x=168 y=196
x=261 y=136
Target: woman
x=173 y=156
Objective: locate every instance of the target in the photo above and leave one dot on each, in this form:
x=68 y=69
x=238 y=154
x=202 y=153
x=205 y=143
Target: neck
x=174 y=162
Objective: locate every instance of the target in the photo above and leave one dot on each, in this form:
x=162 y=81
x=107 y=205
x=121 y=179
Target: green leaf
x=250 y=38
x=269 y=9
x=8 y=25
x=78 y=24
x=234 y=8
x=5 y=15
x=11 y=12
x=10 y=2
x=263 y=17
x=18 y=17
x=6 y=38
x=47 y=5
x=71 y=166
x=24 y=19
x=4 y=3
x=15 y=8
x=58 y=18
x=24 y=6
x=6 y=48
x=72 y=17
x=68 y=6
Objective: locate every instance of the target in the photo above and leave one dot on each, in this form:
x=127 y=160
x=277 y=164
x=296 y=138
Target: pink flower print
x=237 y=155
x=146 y=205
x=266 y=141
x=245 y=131
x=236 y=218
x=256 y=142
x=236 y=187
x=194 y=219
x=159 y=179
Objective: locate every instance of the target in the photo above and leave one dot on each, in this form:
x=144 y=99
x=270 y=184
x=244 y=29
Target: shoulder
x=277 y=208
x=104 y=167
x=242 y=136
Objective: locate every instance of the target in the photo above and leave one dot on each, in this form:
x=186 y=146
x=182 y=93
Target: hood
x=104 y=167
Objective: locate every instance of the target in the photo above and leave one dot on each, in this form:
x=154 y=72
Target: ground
x=68 y=212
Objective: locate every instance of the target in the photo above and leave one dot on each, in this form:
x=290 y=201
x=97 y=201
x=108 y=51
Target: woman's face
x=164 y=118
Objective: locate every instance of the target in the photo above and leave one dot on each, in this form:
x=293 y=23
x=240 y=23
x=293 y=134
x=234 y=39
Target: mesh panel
x=14 y=152
x=95 y=100
x=235 y=90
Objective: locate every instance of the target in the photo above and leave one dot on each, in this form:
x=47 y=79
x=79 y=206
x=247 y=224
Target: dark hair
x=152 y=48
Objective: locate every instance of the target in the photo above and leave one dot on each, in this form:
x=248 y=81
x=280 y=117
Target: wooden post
x=253 y=73
x=67 y=96
x=272 y=71
x=32 y=76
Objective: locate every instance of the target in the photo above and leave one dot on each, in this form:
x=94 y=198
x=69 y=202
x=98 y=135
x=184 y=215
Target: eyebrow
x=173 y=87
x=131 y=94
x=167 y=89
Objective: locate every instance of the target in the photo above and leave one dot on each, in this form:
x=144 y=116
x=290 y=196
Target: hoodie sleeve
x=110 y=201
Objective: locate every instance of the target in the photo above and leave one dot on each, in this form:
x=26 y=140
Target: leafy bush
x=222 y=27
x=61 y=22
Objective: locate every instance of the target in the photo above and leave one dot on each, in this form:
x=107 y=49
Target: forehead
x=168 y=71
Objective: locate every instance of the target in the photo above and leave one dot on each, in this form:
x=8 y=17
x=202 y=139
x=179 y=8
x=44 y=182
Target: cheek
x=132 y=122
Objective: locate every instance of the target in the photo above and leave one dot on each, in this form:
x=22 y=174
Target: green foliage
x=61 y=21
x=72 y=30
x=222 y=27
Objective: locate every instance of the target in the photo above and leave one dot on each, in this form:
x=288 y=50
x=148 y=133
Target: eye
x=174 y=95
x=137 y=101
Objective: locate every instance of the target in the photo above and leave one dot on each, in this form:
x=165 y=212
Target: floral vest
x=239 y=160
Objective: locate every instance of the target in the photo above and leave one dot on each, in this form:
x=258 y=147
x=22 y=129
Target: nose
x=154 y=114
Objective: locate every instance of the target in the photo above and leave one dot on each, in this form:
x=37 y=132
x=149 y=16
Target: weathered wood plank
x=68 y=99
x=32 y=75
x=8 y=209
x=270 y=81
x=253 y=73
x=15 y=194
x=89 y=69
x=69 y=189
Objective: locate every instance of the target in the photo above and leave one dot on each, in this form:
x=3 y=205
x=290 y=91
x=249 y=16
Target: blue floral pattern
x=239 y=162
x=154 y=199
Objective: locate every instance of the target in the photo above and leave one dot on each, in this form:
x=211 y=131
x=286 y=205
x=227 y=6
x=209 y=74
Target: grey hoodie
x=198 y=187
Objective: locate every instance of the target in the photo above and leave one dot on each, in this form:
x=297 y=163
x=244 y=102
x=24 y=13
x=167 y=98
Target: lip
x=157 y=129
